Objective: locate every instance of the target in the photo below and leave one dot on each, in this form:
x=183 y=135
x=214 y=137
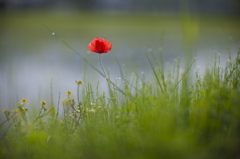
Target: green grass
x=177 y=115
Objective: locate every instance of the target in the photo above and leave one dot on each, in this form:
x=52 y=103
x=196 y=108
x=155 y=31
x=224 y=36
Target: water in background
x=33 y=61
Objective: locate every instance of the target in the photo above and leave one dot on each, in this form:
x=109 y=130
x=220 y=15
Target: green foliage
x=169 y=118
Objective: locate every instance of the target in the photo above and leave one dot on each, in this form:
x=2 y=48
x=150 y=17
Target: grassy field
x=180 y=114
x=172 y=112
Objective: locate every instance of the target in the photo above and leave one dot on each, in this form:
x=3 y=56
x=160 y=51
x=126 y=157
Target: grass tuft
x=169 y=117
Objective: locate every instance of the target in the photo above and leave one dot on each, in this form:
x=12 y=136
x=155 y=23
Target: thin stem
x=183 y=75
x=108 y=80
x=6 y=130
x=100 y=62
x=71 y=48
x=78 y=94
x=7 y=119
x=155 y=74
x=43 y=115
x=40 y=112
x=59 y=95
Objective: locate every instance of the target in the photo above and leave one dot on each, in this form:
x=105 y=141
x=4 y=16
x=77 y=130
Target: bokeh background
x=36 y=65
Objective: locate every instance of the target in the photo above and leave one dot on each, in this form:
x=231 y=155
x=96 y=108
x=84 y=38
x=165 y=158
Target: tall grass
x=169 y=117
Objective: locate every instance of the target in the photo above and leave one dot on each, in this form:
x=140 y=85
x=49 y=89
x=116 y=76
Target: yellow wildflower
x=69 y=100
x=43 y=102
x=14 y=111
x=68 y=93
x=24 y=100
x=79 y=82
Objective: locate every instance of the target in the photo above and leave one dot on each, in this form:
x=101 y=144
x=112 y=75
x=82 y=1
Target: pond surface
x=34 y=61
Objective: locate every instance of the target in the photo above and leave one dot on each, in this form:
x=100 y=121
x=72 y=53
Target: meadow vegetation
x=179 y=114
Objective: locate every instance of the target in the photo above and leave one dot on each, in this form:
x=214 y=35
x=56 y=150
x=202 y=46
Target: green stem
x=100 y=62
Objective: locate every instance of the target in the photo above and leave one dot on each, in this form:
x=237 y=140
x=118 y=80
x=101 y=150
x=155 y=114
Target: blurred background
x=34 y=62
x=230 y=7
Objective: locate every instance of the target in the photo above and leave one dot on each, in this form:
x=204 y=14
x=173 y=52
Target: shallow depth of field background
x=33 y=61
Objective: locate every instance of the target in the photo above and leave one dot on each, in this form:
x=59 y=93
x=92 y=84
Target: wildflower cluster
x=43 y=111
x=18 y=117
x=44 y=104
x=22 y=105
x=72 y=113
x=77 y=112
x=22 y=109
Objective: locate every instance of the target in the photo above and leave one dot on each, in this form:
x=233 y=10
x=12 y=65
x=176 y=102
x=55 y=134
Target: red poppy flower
x=100 y=45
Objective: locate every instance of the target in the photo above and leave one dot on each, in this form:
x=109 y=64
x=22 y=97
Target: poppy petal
x=100 y=45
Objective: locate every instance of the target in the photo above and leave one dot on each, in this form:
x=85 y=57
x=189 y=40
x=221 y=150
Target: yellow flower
x=69 y=101
x=79 y=82
x=68 y=93
x=43 y=102
x=24 y=100
x=14 y=111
